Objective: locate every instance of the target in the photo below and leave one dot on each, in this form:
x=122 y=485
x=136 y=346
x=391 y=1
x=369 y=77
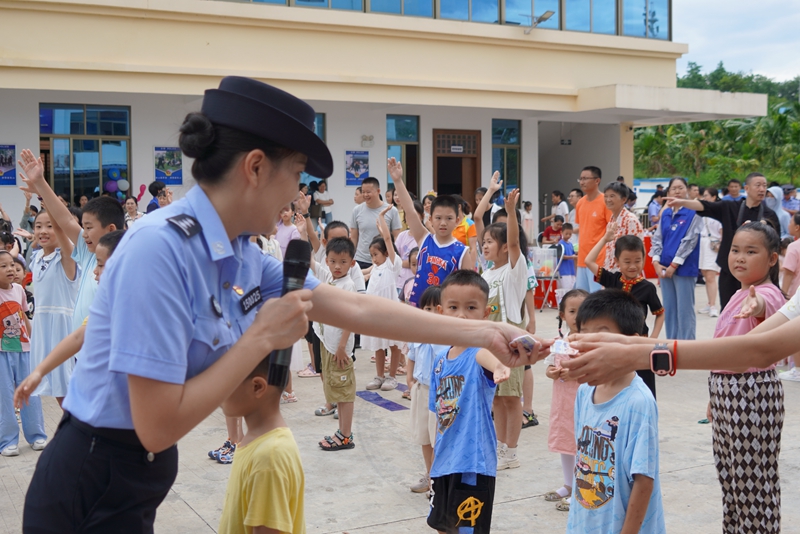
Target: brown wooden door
x=457 y=162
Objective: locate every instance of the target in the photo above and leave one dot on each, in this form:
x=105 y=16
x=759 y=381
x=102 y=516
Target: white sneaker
x=507 y=462
x=39 y=444
x=704 y=310
x=389 y=384
x=792 y=375
x=713 y=311
x=375 y=383
x=11 y=450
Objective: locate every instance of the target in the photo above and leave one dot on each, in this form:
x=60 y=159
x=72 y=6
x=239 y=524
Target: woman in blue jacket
x=676 y=258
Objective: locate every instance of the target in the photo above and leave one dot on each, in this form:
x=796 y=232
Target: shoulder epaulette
x=187 y=224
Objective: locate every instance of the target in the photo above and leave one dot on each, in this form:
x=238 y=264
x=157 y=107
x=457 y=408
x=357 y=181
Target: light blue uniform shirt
x=154 y=314
x=616 y=440
x=88 y=285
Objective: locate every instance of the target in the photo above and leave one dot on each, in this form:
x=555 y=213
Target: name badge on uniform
x=251 y=300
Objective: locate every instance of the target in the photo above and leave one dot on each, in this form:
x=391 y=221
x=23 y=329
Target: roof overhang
x=648 y=106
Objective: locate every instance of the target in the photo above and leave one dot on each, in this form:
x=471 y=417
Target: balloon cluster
x=116 y=184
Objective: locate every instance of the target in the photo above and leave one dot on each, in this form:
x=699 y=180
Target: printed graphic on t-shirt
x=14 y=334
x=447 y=396
x=594 y=468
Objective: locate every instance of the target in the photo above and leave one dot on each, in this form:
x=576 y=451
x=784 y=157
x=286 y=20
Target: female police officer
x=144 y=380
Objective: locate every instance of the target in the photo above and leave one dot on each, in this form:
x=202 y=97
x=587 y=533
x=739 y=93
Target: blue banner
x=356 y=166
x=8 y=165
x=169 y=165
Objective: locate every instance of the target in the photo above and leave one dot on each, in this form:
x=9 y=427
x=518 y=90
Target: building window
x=646 y=18
x=414 y=8
x=319 y=129
x=402 y=144
x=597 y=16
x=85 y=148
x=349 y=5
x=505 y=151
x=471 y=10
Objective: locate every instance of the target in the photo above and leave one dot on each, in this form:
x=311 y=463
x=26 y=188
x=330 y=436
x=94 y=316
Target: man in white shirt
x=363 y=228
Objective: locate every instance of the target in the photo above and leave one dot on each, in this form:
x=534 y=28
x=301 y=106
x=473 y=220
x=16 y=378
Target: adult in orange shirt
x=593 y=217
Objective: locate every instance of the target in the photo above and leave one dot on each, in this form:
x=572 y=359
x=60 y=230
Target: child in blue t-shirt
x=461 y=395
x=617 y=486
x=567 y=267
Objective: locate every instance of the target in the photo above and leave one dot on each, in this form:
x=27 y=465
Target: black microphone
x=295 y=269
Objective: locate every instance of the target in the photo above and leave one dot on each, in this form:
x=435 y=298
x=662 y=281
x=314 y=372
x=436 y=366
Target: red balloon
x=142 y=189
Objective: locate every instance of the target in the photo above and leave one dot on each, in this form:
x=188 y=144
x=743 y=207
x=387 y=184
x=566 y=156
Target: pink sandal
x=308 y=372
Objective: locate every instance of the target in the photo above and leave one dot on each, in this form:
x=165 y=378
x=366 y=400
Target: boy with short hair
x=439 y=254
x=101 y=216
x=461 y=395
x=567 y=267
x=617 y=487
x=266 y=484
x=552 y=234
x=338 y=376
x=630 y=254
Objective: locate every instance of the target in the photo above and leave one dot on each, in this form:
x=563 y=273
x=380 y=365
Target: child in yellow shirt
x=266 y=484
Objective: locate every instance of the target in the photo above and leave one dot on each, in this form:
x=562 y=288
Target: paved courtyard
x=365 y=490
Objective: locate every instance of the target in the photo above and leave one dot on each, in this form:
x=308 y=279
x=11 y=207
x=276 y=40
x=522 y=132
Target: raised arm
x=34 y=181
x=591 y=258
x=385 y=234
x=415 y=226
x=494 y=185
x=65 y=244
x=673 y=202
x=512 y=230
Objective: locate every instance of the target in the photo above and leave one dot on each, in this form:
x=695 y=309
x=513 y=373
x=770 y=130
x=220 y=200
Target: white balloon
x=123 y=185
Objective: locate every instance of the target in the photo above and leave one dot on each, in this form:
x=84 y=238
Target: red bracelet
x=674 y=358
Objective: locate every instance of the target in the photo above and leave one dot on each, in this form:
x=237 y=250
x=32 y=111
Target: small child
x=405 y=244
x=266 y=484
x=386 y=266
x=508 y=284
x=791 y=261
x=629 y=253
x=439 y=252
x=56 y=280
x=408 y=286
x=70 y=345
x=286 y=230
x=552 y=234
x=561 y=438
x=746 y=409
x=420 y=368
x=567 y=267
x=23 y=278
x=338 y=375
x=462 y=389
x=15 y=355
x=528 y=222
x=617 y=487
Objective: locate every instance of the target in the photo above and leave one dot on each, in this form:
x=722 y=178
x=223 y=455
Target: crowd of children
x=467 y=408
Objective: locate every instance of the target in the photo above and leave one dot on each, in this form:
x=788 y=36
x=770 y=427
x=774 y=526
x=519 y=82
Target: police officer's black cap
x=260 y=109
x=787 y=188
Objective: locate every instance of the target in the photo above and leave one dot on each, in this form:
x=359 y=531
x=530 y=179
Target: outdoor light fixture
x=535 y=21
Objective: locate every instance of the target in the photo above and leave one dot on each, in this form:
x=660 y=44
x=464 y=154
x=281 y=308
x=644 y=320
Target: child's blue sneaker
x=226 y=457
x=214 y=455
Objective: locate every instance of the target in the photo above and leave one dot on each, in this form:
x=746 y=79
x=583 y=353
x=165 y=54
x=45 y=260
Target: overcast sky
x=761 y=36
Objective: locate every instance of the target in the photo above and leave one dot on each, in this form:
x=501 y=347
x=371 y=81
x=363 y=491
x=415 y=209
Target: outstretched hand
x=611 y=231
x=395 y=170
x=512 y=198
x=302 y=202
x=495 y=183
x=501 y=374
x=32 y=174
x=675 y=202
x=511 y=353
x=750 y=305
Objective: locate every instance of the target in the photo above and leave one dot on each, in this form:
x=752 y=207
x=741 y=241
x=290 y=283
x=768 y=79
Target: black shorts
x=457 y=504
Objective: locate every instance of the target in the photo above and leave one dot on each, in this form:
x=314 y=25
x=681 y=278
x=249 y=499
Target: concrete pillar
x=626 y=152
